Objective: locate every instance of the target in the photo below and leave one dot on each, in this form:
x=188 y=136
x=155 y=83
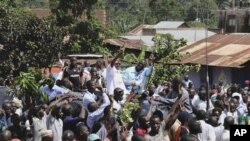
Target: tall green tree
x=27 y=41
x=165 y=10
x=166 y=58
x=85 y=32
x=124 y=15
x=203 y=11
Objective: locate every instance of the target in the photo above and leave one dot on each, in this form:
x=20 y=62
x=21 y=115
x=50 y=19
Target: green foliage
x=165 y=10
x=28 y=84
x=27 y=40
x=87 y=37
x=196 y=24
x=124 y=15
x=165 y=54
x=131 y=58
x=127 y=110
x=203 y=10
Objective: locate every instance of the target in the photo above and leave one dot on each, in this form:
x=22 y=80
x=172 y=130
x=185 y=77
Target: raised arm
x=118 y=55
x=173 y=113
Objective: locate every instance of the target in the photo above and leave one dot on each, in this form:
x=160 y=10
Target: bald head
x=6 y=135
x=67 y=109
x=68 y=136
x=228 y=121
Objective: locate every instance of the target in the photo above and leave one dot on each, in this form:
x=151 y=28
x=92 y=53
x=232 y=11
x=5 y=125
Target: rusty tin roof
x=231 y=50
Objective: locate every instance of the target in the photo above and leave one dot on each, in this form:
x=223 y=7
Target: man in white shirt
x=55 y=124
x=199 y=101
x=113 y=76
x=96 y=112
x=118 y=97
x=207 y=133
x=225 y=135
x=89 y=96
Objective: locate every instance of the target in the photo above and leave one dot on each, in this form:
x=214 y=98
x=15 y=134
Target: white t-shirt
x=114 y=80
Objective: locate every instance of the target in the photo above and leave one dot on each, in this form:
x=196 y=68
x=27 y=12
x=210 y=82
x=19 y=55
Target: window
x=231 y=22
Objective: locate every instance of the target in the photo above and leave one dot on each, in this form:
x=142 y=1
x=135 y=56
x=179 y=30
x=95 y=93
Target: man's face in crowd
x=203 y=94
x=244 y=95
x=140 y=66
x=151 y=88
x=7 y=108
x=73 y=62
x=216 y=114
x=232 y=107
x=93 y=71
x=155 y=124
x=92 y=86
x=120 y=95
x=117 y=64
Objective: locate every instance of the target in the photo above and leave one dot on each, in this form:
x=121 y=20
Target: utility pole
x=235 y=13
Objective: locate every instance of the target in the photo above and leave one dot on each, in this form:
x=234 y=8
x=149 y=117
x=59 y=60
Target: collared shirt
x=114 y=80
x=199 y=104
x=5 y=122
x=131 y=76
x=98 y=114
x=52 y=93
x=87 y=98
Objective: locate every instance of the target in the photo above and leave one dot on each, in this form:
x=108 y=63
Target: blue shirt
x=131 y=76
x=52 y=93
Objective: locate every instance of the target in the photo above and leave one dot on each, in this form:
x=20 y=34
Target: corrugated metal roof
x=147 y=40
x=132 y=44
x=190 y=34
x=138 y=30
x=232 y=50
x=169 y=24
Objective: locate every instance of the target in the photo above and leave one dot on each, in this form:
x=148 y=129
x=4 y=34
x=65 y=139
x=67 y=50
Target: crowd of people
x=85 y=104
